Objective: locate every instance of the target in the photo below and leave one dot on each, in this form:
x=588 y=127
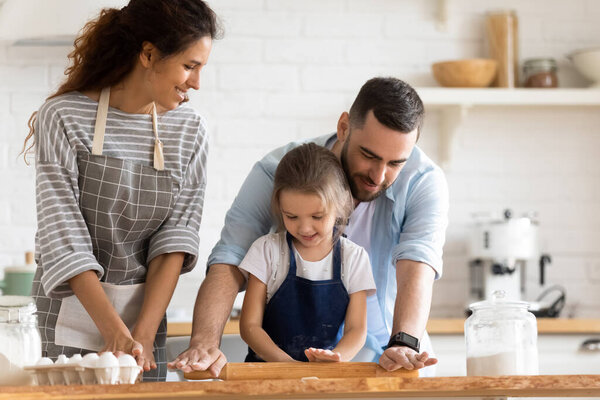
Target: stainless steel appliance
x=500 y=249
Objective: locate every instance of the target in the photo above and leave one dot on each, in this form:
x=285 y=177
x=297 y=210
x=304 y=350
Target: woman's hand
x=146 y=358
x=122 y=344
x=322 y=355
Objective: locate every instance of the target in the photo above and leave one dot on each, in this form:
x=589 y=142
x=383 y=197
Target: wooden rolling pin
x=297 y=370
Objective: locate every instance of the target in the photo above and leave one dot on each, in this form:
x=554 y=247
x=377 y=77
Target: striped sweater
x=64 y=128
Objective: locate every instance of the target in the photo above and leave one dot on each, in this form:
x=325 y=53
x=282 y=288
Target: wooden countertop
x=513 y=386
x=439 y=326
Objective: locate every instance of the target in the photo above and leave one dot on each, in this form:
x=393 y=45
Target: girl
x=306 y=280
x=118 y=212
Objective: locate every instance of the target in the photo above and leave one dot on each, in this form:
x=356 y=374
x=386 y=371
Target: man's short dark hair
x=395 y=104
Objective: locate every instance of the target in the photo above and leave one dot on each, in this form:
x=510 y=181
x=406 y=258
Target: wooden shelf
x=466 y=97
x=454 y=105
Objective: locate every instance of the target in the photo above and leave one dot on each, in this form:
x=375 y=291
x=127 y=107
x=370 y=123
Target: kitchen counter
x=513 y=386
x=439 y=326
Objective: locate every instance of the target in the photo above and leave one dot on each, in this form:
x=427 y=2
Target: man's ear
x=343 y=127
x=148 y=54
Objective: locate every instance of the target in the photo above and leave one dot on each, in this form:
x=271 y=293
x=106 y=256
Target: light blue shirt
x=409 y=221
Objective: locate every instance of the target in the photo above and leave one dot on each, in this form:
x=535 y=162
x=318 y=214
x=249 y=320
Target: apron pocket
x=75 y=327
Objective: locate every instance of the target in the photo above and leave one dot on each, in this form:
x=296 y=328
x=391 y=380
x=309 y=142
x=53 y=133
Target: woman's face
x=172 y=77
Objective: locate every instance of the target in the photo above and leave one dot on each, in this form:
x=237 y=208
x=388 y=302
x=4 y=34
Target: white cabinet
x=558 y=354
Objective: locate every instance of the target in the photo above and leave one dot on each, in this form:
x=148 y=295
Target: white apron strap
x=159 y=158
x=98 y=142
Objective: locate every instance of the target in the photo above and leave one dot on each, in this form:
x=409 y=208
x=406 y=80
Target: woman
x=121 y=173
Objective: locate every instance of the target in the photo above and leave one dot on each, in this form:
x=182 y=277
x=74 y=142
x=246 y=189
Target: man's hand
x=398 y=357
x=199 y=357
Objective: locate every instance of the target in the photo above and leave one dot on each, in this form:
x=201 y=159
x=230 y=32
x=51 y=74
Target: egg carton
x=104 y=370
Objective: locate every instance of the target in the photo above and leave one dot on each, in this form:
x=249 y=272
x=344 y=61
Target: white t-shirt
x=359 y=231
x=268 y=260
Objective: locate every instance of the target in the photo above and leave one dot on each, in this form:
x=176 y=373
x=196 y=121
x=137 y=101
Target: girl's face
x=307 y=219
x=172 y=77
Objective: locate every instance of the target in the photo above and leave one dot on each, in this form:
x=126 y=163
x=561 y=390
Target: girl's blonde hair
x=310 y=168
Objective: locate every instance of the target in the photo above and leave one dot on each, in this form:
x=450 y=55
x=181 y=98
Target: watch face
x=411 y=340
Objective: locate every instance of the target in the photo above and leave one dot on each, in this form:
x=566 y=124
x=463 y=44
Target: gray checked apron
x=123 y=205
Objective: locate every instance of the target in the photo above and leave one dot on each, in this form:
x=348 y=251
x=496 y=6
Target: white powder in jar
x=504 y=363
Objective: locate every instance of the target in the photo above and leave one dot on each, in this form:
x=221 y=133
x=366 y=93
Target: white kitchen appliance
x=500 y=248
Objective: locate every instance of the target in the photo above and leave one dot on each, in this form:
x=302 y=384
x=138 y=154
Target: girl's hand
x=146 y=358
x=322 y=355
x=122 y=344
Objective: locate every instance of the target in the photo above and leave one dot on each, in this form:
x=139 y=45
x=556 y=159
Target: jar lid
x=16 y=309
x=498 y=301
x=540 y=63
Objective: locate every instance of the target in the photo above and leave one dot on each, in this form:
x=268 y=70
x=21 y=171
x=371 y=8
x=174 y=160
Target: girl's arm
x=355 y=328
x=163 y=273
x=251 y=323
x=355 y=333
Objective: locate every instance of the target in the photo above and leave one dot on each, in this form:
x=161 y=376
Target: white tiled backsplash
x=286 y=69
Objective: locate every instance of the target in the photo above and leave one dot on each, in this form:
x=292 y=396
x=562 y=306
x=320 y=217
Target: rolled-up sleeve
x=180 y=233
x=248 y=218
x=423 y=231
x=63 y=239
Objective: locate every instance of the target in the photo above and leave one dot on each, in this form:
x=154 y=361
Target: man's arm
x=411 y=311
x=222 y=282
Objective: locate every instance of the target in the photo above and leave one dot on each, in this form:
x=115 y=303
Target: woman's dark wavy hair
x=106 y=51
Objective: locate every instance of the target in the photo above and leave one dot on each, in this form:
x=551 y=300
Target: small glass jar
x=540 y=73
x=501 y=338
x=20 y=341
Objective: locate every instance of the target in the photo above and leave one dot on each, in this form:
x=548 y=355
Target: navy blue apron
x=304 y=313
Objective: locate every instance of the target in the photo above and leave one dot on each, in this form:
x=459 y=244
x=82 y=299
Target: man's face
x=372 y=157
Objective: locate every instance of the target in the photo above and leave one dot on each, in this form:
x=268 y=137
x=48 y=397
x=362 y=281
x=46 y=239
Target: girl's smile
x=306 y=218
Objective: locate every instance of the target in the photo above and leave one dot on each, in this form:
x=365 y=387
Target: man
x=401 y=200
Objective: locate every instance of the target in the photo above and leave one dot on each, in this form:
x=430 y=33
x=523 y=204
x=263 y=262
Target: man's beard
x=354 y=189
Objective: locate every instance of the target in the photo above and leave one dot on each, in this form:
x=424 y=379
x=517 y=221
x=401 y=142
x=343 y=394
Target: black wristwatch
x=404 y=339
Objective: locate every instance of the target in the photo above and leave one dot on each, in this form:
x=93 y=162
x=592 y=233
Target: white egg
x=75 y=358
x=62 y=359
x=126 y=360
x=107 y=359
x=90 y=360
x=44 y=361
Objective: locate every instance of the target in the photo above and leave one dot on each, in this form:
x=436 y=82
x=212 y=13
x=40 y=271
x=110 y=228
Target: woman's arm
x=251 y=323
x=163 y=273
x=115 y=333
x=355 y=333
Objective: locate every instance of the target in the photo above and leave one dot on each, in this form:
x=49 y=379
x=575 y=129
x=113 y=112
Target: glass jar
x=20 y=341
x=540 y=73
x=501 y=338
x=502 y=28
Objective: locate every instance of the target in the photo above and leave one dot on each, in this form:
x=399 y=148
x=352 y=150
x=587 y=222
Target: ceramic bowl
x=587 y=63
x=477 y=72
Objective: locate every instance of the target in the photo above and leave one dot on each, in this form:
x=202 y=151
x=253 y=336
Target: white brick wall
x=287 y=69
